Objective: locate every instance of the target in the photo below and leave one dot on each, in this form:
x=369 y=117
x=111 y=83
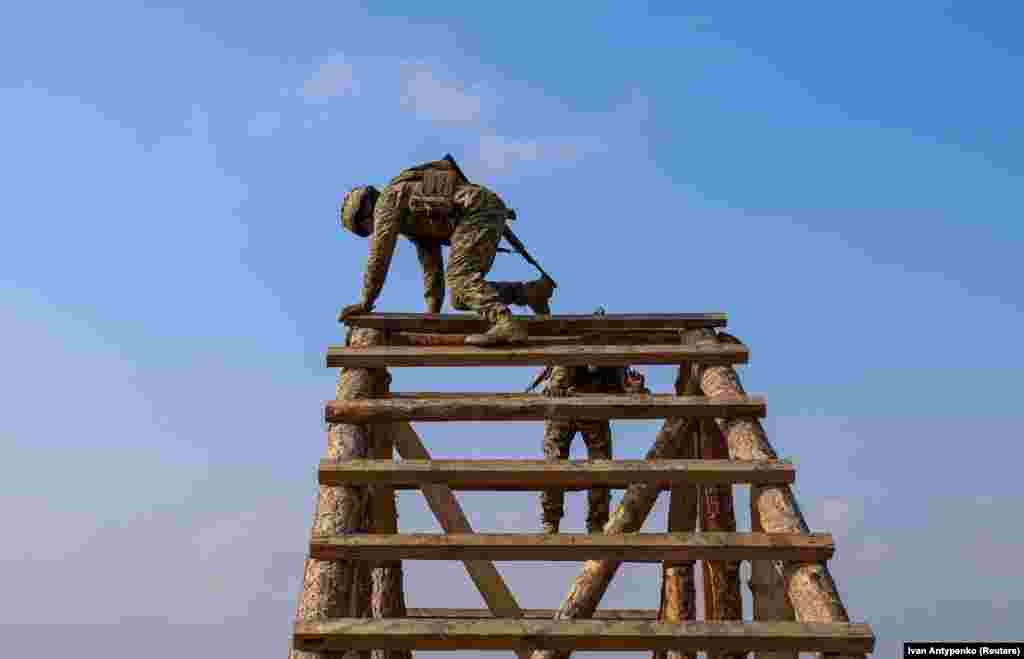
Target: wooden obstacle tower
x=352 y=605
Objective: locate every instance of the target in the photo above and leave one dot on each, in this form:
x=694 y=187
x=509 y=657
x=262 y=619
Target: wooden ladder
x=352 y=600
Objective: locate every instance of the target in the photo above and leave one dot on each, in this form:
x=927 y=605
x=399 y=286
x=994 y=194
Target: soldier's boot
x=503 y=332
x=536 y=294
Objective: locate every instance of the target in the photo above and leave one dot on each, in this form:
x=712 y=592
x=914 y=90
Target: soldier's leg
x=534 y=294
x=598 y=437
x=474 y=245
x=557 y=437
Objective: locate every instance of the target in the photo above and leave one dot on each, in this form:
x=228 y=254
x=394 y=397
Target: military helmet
x=357 y=202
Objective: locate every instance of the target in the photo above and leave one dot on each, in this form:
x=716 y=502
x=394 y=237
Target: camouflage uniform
x=597 y=435
x=433 y=206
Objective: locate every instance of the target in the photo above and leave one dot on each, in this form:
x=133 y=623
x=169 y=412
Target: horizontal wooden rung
x=537 y=407
x=518 y=634
x=534 y=355
x=532 y=614
x=534 y=475
x=631 y=547
x=638 y=337
x=540 y=325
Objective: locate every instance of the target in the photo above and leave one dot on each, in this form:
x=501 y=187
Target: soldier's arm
x=386 y=222
x=433 y=274
x=560 y=381
x=634 y=382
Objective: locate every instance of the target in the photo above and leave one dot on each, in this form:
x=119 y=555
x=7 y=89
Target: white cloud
x=433 y=97
x=499 y=153
x=873 y=550
x=264 y=124
x=223 y=534
x=837 y=515
x=335 y=77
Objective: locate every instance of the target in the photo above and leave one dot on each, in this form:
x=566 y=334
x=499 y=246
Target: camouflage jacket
x=603 y=380
x=424 y=204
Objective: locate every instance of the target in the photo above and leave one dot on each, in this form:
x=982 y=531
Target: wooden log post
x=809 y=586
x=387 y=598
x=678 y=590
x=722 y=599
x=768 y=590
x=341 y=589
x=630 y=515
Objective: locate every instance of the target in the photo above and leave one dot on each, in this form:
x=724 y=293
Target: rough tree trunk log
x=637 y=502
x=678 y=590
x=768 y=589
x=341 y=589
x=811 y=590
x=722 y=599
x=387 y=599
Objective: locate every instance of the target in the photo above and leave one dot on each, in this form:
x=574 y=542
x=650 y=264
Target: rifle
x=543 y=375
x=508 y=234
x=519 y=247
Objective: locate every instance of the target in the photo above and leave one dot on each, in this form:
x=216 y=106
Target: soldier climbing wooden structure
x=353 y=603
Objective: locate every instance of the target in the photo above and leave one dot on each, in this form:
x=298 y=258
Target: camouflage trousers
x=558 y=436
x=474 y=245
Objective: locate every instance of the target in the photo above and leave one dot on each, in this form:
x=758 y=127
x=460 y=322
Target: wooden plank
x=452 y=518
x=532 y=614
x=630 y=547
x=502 y=634
x=535 y=475
x=626 y=337
x=537 y=407
x=536 y=355
x=540 y=325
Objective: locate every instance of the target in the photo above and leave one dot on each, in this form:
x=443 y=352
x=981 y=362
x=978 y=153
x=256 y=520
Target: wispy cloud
x=433 y=96
x=499 y=153
x=492 y=117
x=334 y=77
x=264 y=124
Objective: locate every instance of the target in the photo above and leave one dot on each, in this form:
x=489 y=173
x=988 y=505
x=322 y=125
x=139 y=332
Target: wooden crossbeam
x=625 y=337
x=536 y=407
x=630 y=547
x=502 y=634
x=540 y=325
x=532 y=614
x=449 y=514
x=535 y=475
x=534 y=355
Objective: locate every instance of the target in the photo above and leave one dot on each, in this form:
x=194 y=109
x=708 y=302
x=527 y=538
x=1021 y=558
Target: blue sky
x=842 y=180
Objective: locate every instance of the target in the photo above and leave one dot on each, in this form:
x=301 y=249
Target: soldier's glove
x=559 y=392
x=635 y=383
x=353 y=310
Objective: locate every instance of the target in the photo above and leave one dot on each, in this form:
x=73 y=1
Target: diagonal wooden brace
x=453 y=519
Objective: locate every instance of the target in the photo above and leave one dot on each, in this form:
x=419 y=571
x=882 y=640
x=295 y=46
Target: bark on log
x=387 y=599
x=811 y=590
x=722 y=600
x=340 y=589
x=768 y=592
x=533 y=355
x=678 y=590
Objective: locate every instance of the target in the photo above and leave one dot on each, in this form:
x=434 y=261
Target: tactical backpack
x=433 y=199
